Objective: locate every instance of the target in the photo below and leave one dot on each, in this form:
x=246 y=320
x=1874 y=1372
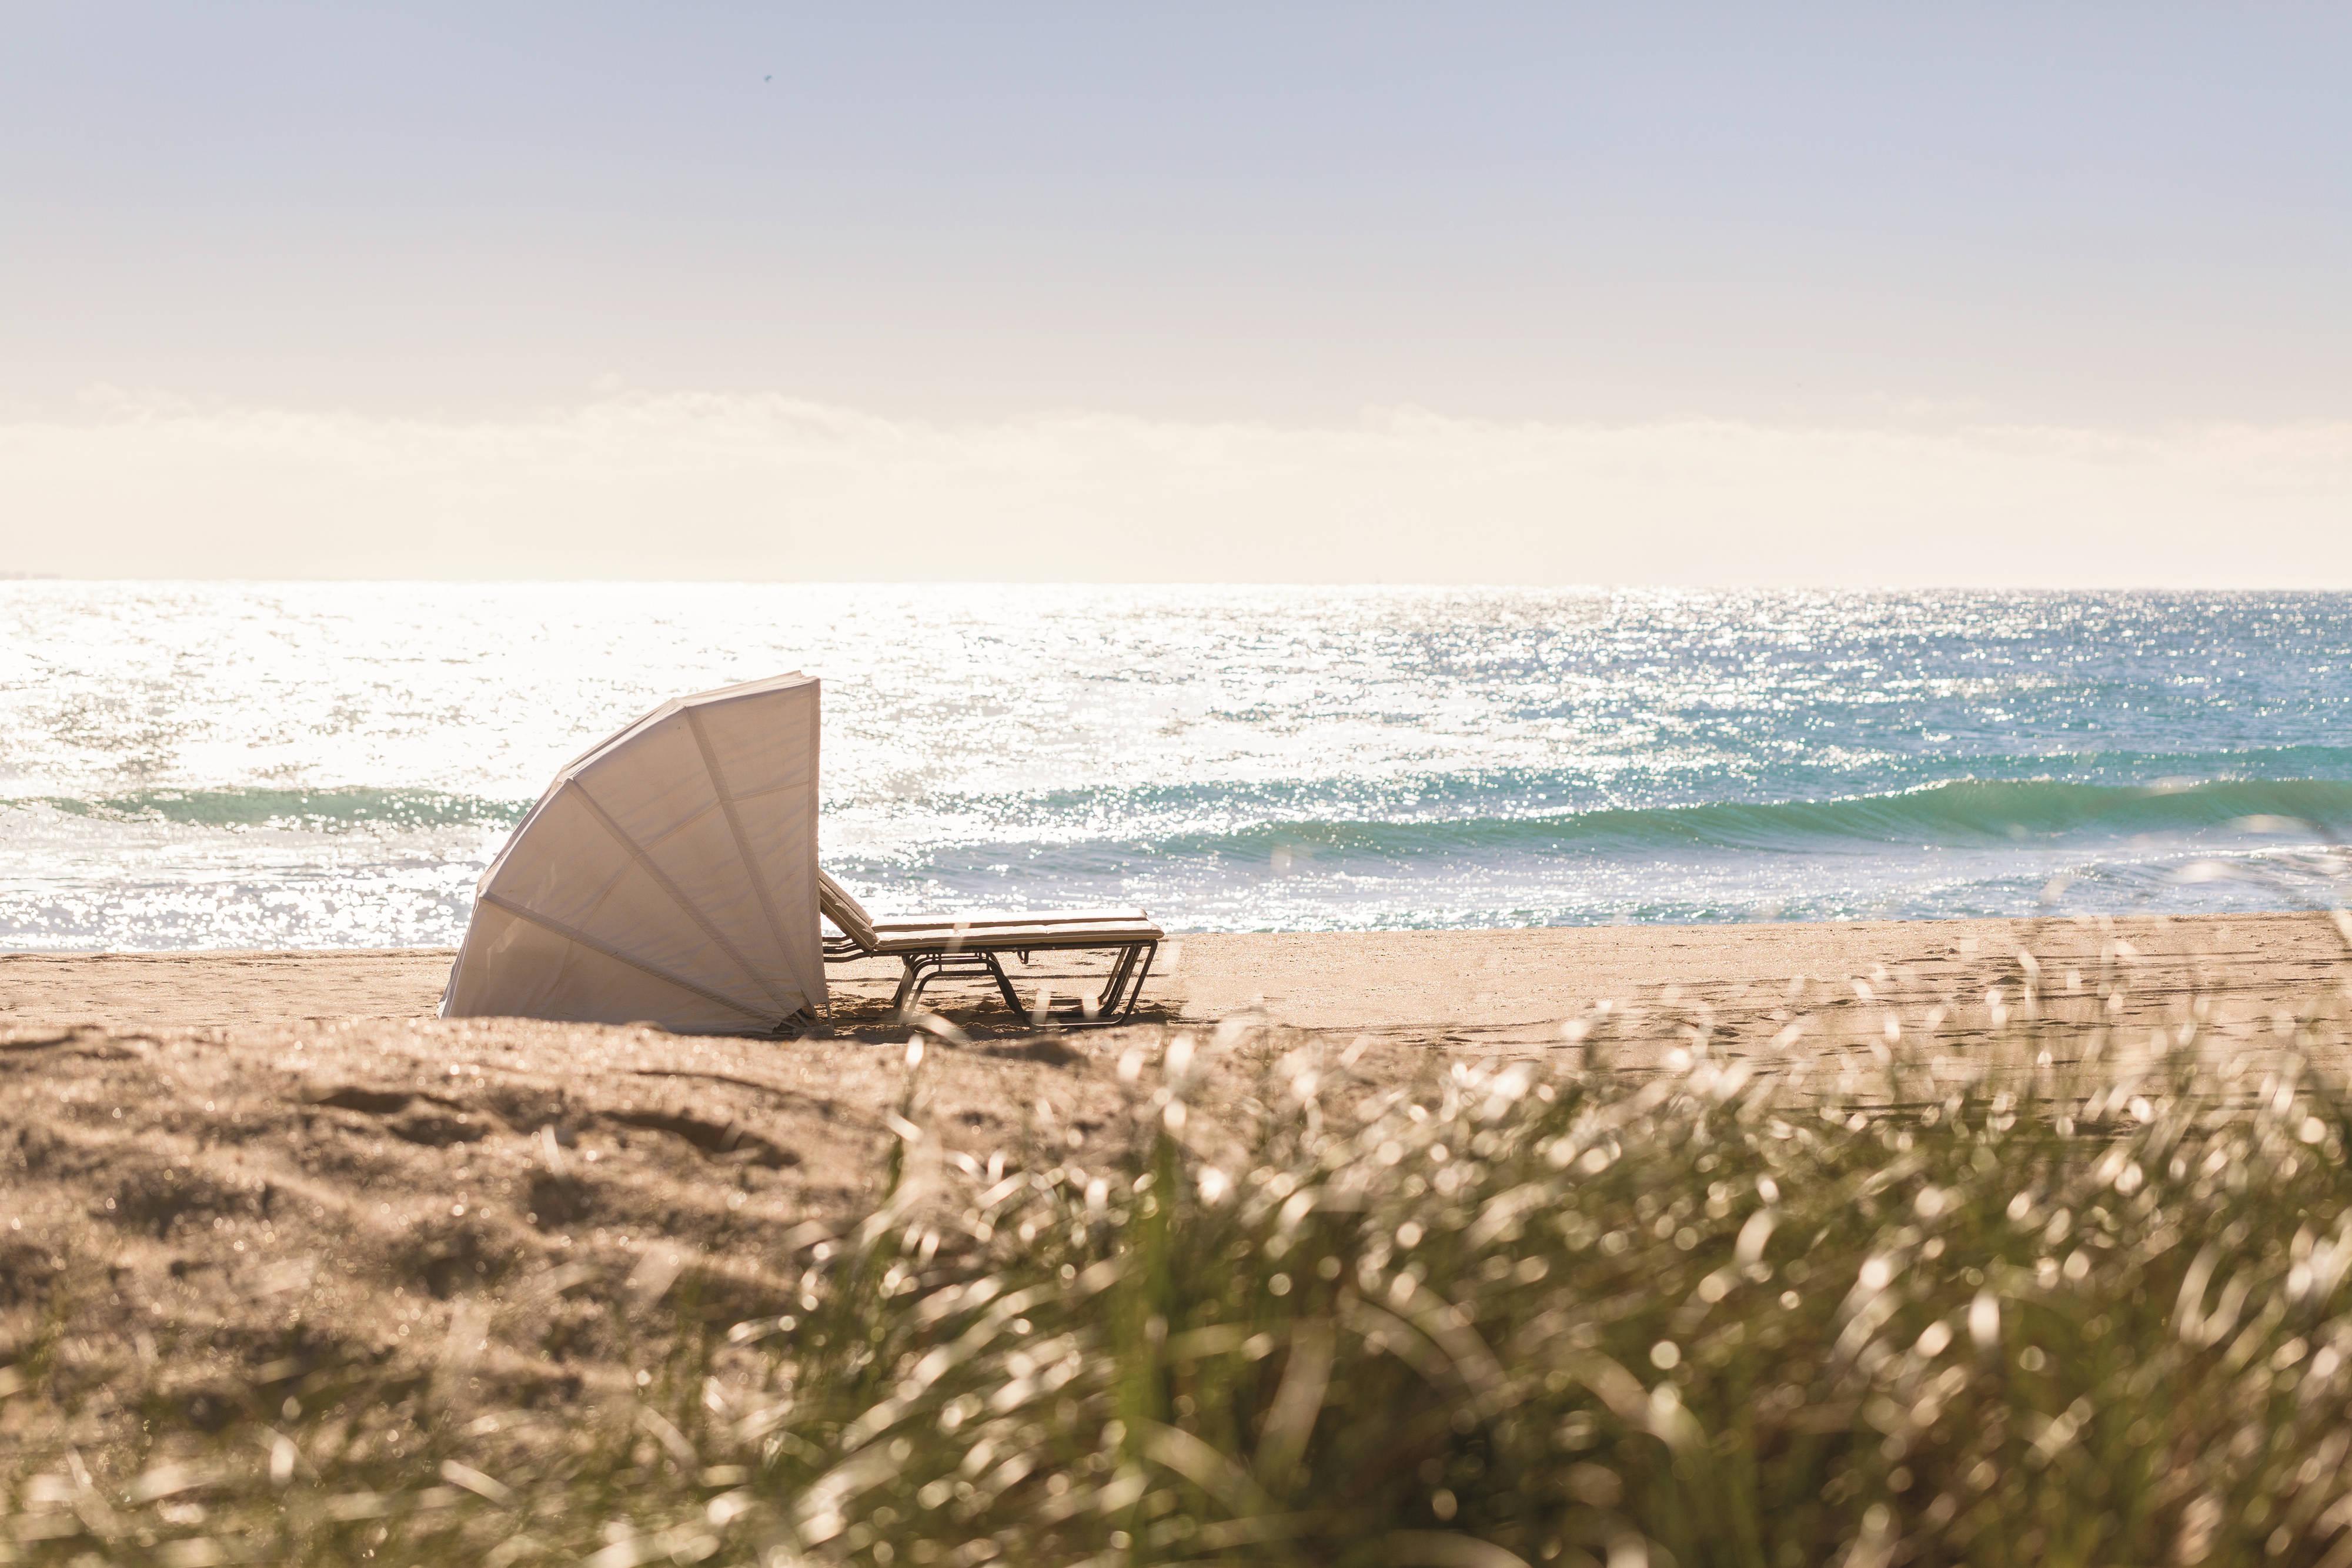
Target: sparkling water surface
x=332 y=765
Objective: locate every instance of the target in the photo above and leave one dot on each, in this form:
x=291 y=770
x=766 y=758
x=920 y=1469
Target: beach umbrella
x=667 y=876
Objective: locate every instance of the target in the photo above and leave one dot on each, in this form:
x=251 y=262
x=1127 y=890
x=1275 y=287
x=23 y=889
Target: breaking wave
x=1959 y=813
x=313 y=811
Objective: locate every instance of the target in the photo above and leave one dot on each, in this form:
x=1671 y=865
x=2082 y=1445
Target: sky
x=1897 y=295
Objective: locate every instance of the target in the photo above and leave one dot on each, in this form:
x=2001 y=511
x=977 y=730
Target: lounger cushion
x=994 y=932
x=989 y=921
x=847 y=914
x=951 y=938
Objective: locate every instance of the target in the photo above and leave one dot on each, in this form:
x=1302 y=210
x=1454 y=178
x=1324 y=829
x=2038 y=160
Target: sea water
x=332 y=765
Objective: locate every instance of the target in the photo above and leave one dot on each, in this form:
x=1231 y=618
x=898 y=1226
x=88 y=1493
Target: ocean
x=273 y=765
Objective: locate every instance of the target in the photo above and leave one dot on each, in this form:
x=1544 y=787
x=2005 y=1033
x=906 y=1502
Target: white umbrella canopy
x=667 y=876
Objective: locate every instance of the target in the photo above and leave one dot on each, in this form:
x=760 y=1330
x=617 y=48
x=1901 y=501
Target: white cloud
x=768 y=486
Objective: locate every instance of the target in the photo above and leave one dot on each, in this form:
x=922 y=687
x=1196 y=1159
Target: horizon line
x=1402 y=586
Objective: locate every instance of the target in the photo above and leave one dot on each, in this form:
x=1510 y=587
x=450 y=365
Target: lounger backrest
x=838 y=906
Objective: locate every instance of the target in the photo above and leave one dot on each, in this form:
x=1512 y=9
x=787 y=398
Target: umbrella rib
x=735 y=827
x=677 y=897
x=573 y=934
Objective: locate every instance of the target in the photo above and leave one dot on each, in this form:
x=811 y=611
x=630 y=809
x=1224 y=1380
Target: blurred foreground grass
x=2068 y=1295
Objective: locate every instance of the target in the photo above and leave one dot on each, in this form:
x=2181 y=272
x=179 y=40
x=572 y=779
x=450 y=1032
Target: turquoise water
x=275 y=765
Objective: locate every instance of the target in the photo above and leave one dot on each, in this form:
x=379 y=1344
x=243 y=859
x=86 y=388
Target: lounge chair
x=935 y=945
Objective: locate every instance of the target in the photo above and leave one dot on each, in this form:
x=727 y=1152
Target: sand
x=1494 y=988
x=228 y=1212
x=230 y=1177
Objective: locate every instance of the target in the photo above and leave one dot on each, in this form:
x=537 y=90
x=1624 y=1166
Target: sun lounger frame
x=929 y=948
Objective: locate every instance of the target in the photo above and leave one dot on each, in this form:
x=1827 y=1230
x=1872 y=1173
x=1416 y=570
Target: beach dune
x=253 y=1150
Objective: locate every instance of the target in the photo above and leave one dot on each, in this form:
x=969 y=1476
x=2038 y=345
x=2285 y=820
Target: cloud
x=709 y=486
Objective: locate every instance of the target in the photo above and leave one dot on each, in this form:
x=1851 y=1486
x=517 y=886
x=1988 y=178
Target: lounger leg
x=1142 y=973
x=1005 y=986
x=1106 y=1005
x=910 y=986
x=1124 y=988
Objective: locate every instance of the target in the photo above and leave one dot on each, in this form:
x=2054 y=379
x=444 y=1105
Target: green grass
x=2066 y=1298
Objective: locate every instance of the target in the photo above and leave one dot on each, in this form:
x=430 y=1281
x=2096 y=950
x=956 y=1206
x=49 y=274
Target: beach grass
x=2048 y=1292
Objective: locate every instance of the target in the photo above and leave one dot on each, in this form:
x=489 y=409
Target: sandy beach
x=1461 y=988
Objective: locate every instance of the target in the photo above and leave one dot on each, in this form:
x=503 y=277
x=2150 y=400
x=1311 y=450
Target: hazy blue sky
x=459 y=225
